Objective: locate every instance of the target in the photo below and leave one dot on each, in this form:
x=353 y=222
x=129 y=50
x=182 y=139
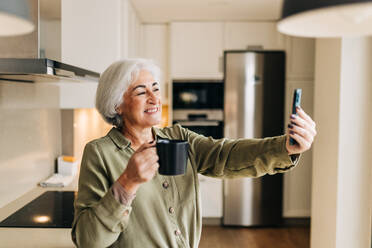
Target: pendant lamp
x=326 y=18
x=15 y=18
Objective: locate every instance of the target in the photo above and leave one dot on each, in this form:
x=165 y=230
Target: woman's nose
x=153 y=98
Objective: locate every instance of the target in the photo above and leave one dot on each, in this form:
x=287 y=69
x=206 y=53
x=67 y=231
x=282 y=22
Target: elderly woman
x=124 y=202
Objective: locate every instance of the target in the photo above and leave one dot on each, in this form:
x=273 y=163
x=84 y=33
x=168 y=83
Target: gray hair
x=113 y=83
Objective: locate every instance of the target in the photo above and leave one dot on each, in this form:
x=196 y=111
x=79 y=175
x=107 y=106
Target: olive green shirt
x=166 y=211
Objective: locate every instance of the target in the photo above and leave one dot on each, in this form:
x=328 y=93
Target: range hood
x=29 y=70
x=35 y=57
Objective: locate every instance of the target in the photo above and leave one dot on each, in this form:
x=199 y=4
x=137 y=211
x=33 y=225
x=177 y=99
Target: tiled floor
x=234 y=237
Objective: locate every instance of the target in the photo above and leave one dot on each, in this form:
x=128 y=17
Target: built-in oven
x=198 y=106
x=207 y=123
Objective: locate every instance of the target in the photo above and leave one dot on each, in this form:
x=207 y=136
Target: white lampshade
x=326 y=18
x=15 y=18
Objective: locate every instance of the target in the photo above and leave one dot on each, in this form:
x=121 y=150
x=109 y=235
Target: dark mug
x=172 y=156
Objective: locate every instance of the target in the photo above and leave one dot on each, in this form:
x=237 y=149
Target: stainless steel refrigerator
x=254 y=93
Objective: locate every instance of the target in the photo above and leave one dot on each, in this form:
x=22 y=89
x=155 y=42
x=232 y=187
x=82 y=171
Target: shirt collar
x=118 y=138
x=121 y=142
x=158 y=133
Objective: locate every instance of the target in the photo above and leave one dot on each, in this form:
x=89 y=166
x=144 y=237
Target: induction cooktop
x=52 y=209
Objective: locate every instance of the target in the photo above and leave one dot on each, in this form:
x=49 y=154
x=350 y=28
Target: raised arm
x=230 y=158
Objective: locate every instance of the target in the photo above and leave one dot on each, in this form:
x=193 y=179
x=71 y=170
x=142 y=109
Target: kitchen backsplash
x=34 y=131
x=30 y=138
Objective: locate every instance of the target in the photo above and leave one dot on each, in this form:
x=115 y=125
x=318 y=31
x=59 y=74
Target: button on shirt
x=165 y=185
x=171 y=210
x=166 y=211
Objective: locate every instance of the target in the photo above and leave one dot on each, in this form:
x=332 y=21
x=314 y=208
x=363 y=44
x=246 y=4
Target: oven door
x=213 y=129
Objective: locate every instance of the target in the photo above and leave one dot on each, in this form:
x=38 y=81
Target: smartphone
x=296 y=103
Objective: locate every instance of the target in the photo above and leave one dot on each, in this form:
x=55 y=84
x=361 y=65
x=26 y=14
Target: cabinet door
x=240 y=35
x=133 y=37
x=90 y=33
x=211 y=196
x=196 y=50
x=155 y=47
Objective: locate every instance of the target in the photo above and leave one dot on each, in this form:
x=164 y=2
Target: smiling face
x=142 y=102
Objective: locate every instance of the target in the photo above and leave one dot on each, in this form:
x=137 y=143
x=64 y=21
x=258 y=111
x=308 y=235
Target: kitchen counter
x=34 y=237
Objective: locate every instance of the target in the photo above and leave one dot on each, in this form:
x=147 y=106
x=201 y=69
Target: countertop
x=34 y=237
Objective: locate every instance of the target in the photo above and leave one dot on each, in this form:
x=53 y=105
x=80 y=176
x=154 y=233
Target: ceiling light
x=326 y=18
x=15 y=18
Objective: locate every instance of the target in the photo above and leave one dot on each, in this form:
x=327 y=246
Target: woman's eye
x=141 y=93
x=156 y=89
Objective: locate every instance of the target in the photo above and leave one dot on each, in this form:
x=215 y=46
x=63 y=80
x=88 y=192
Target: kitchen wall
x=30 y=131
x=341 y=189
x=34 y=131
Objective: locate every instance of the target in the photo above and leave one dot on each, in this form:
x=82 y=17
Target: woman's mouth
x=152 y=110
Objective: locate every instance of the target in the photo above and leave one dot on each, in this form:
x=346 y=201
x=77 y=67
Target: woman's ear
x=118 y=110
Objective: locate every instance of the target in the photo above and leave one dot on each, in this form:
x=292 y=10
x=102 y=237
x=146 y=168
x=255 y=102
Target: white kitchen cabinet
x=132 y=33
x=297 y=182
x=97 y=33
x=211 y=196
x=240 y=35
x=94 y=34
x=77 y=95
x=155 y=46
x=196 y=50
x=300 y=57
x=91 y=33
x=300 y=51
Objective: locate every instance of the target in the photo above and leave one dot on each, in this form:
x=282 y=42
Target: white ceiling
x=160 y=11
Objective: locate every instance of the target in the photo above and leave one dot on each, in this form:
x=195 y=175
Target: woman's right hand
x=141 y=168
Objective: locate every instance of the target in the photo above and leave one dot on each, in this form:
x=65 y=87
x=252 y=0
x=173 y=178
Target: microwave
x=197 y=94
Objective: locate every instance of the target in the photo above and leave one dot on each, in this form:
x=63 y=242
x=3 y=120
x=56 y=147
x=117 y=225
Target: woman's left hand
x=301 y=129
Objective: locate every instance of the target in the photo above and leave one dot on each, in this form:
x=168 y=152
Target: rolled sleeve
x=121 y=195
x=112 y=213
x=284 y=162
